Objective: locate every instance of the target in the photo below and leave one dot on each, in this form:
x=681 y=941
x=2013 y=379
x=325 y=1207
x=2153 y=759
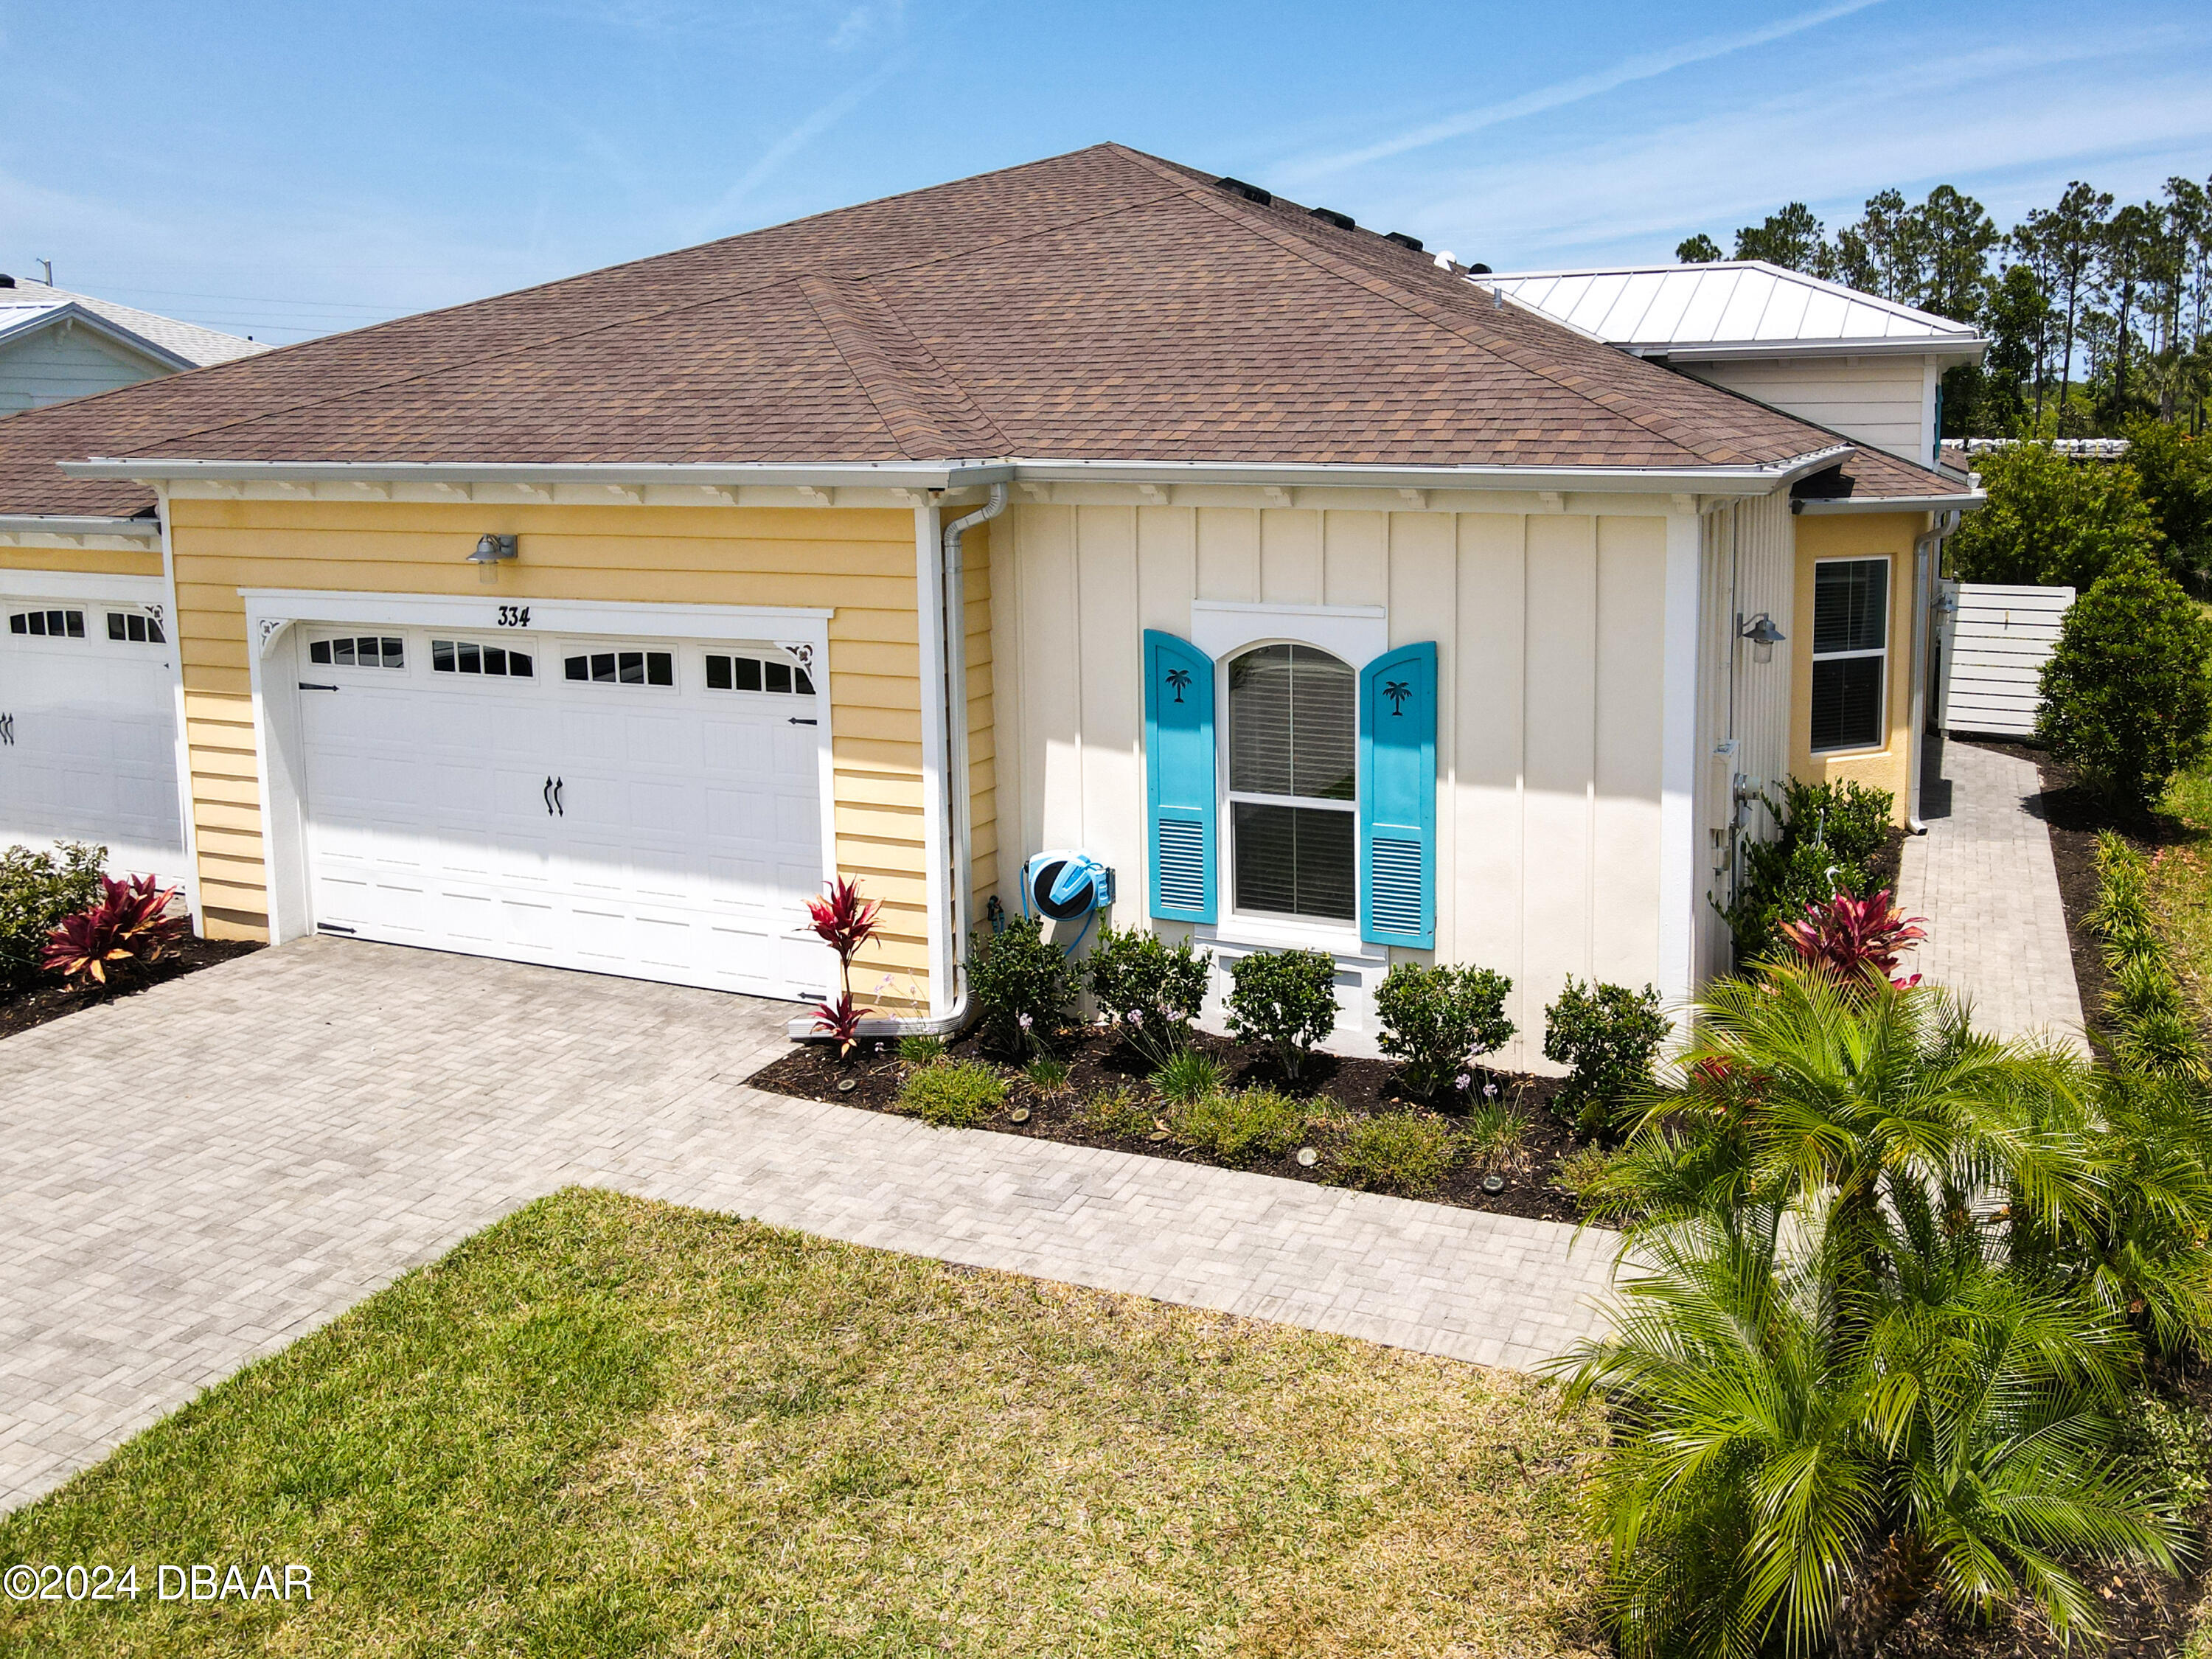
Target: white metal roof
x=1733 y=307
x=32 y=306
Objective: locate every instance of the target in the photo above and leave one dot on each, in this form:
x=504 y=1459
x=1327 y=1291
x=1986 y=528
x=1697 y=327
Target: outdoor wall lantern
x=491 y=549
x=1764 y=636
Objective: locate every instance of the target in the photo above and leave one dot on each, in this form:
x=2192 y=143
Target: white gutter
x=1963 y=348
x=1750 y=478
x=1963 y=502
x=55 y=524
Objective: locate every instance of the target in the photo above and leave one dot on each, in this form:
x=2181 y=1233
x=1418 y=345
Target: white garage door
x=87 y=731
x=649 y=808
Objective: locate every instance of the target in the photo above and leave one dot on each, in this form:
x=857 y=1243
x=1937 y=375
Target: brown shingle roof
x=1103 y=305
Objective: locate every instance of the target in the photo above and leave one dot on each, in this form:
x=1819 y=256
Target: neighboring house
x=56 y=345
x=1094 y=503
x=1868 y=368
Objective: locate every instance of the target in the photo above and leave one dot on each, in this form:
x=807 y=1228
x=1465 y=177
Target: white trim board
x=151 y=591
x=1357 y=633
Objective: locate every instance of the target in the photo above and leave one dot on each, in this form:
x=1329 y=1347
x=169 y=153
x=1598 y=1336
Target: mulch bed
x=22 y=1009
x=1099 y=1063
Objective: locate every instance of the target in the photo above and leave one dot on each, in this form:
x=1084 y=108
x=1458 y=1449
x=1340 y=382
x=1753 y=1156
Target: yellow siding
x=857 y=561
x=83 y=560
x=1857 y=536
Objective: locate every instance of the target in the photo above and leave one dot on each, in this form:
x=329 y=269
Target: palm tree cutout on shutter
x=1178 y=678
x=1397 y=692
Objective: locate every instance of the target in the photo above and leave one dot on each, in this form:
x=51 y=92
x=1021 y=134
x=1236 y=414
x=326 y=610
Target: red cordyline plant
x=1853 y=937
x=128 y=929
x=845 y=923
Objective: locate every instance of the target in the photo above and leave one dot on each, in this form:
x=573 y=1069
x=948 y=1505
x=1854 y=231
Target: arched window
x=1293 y=771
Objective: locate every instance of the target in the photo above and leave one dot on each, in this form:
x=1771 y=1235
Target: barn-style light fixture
x=491 y=548
x=1764 y=636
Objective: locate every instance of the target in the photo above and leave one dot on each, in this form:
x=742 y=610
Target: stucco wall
x=860 y=561
x=1549 y=629
x=1823 y=536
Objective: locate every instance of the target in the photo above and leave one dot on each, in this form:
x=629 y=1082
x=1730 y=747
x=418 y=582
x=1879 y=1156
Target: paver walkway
x=198 y=1176
x=1983 y=878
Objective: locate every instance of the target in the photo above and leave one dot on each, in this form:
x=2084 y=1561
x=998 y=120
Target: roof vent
x=1479 y=271
x=7 y=281
x=1330 y=216
x=1404 y=241
x=1250 y=193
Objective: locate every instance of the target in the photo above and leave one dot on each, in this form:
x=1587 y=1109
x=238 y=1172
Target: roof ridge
x=1498 y=345
x=871 y=338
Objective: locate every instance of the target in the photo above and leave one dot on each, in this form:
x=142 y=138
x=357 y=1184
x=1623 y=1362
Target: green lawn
x=607 y=1426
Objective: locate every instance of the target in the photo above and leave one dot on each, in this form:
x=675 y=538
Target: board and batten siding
x=1888 y=401
x=1550 y=678
x=859 y=561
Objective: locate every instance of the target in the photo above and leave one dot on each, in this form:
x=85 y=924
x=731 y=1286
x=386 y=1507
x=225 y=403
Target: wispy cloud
x=867 y=21
x=824 y=118
x=1645 y=66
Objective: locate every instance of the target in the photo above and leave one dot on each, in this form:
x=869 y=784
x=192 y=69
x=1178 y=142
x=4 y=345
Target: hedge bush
x=1401 y=1153
x=37 y=889
x=1023 y=986
x=1437 y=1021
x=1829 y=834
x=1609 y=1036
x=1151 y=990
x=1284 y=1001
x=2127 y=694
x=1235 y=1127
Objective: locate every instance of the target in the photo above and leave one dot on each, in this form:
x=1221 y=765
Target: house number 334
x=514 y=616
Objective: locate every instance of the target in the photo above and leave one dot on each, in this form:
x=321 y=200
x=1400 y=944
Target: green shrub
x=1249 y=1123
x=1285 y=1002
x=2052 y=522
x=1609 y=1035
x=1023 y=986
x=1121 y=1113
x=1149 y=990
x=37 y=889
x=955 y=1095
x=921 y=1050
x=2127 y=694
x=1829 y=834
x=1438 y=1020
x=1188 y=1076
x=2151 y=1029
x=2174 y=470
x=1047 y=1076
x=1401 y=1153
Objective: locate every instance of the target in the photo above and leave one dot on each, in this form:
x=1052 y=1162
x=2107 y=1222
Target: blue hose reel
x=1059 y=886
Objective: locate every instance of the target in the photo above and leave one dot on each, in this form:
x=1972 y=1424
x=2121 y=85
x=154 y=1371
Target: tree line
x=2099 y=314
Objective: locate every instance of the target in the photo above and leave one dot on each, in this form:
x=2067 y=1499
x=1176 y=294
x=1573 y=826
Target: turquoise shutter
x=1398 y=797
x=1179 y=776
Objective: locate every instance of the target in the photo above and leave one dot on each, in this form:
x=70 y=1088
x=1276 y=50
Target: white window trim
x=1274 y=929
x=1356 y=633
x=275 y=663
x=1816 y=656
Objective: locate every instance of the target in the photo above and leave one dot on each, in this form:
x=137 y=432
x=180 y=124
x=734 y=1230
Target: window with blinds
x=1293 y=767
x=1851 y=652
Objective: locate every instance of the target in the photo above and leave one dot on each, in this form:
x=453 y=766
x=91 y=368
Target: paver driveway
x=199 y=1175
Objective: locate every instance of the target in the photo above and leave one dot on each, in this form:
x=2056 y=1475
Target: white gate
x=1994 y=641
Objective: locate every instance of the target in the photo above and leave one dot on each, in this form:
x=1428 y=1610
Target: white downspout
x=952 y=626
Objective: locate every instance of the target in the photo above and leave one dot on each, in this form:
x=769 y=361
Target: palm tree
x=1796 y=1448
x=1802 y=1084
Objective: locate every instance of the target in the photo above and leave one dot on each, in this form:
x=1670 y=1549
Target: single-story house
x=56 y=345
x=1327 y=595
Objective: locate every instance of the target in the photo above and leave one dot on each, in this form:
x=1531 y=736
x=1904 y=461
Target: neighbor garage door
x=88 y=729
x=643 y=807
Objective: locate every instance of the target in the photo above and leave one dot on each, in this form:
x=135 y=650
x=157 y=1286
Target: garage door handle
x=547 y=793
x=8 y=729
x=560 y=806
x=310 y=685
x=798 y=721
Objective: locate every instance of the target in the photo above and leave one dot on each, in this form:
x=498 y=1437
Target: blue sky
x=286 y=169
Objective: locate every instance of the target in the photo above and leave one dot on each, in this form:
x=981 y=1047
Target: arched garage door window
x=1293 y=770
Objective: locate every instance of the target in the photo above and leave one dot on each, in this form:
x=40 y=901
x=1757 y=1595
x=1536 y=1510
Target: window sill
x=1243 y=932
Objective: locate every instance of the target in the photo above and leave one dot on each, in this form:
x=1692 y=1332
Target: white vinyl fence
x=1994 y=646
